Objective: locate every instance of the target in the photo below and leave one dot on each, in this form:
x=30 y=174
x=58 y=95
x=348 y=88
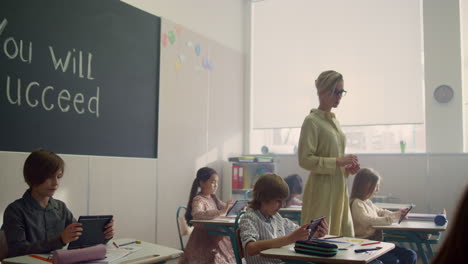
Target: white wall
x=219 y=20
x=443 y=65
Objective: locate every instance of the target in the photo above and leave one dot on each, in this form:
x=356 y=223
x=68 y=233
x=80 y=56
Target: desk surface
x=229 y=221
x=409 y=225
x=392 y=206
x=343 y=256
x=150 y=253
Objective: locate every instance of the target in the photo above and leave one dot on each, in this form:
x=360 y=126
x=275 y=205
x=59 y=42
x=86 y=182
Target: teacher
x=321 y=151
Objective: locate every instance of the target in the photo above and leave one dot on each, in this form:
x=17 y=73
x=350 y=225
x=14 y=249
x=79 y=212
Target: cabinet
x=243 y=176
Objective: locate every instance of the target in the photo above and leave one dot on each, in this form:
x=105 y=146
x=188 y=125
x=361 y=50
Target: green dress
x=326 y=192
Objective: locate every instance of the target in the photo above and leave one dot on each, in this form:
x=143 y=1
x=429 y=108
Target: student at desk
x=203 y=248
x=365 y=215
x=261 y=227
x=38 y=223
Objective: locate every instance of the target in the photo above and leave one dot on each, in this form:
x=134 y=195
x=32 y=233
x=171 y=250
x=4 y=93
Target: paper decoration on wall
x=178 y=29
x=189 y=44
x=178 y=65
x=207 y=64
x=171 y=37
x=181 y=58
x=164 y=39
x=198 y=68
x=197 y=49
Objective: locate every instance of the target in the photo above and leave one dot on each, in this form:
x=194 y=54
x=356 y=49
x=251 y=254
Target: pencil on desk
x=371 y=243
x=333 y=237
x=115 y=244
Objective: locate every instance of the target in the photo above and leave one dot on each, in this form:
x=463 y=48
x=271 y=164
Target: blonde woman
x=366 y=214
x=322 y=152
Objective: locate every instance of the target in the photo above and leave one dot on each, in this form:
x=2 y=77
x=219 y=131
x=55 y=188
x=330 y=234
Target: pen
x=366 y=249
x=115 y=244
x=333 y=237
x=128 y=243
x=371 y=243
x=40 y=257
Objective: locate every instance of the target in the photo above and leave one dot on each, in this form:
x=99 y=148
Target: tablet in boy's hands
x=93 y=231
x=314 y=225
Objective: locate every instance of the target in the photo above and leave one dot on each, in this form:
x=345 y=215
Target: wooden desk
x=150 y=253
x=415 y=233
x=292 y=213
x=288 y=255
x=392 y=206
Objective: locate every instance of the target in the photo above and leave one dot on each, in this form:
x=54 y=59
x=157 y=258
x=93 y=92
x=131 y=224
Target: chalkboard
x=79 y=77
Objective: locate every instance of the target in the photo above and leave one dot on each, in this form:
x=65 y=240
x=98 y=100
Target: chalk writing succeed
x=20 y=94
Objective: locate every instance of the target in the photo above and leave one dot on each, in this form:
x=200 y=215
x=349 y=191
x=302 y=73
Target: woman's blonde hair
x=364 y=184
x=327 y=81
x=267 y=188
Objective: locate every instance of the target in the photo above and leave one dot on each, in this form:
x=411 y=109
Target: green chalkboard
x=79 y=77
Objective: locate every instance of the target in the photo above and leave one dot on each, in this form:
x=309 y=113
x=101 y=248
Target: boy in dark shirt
x=38 y=223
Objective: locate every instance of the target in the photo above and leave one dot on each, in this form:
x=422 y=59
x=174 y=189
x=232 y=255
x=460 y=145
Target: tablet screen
x=93 y=231
x=314 y=225
x=238 y=206
x=404 y=215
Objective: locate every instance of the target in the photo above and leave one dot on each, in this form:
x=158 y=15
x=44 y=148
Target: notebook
x=238 y=206
x=93 y=231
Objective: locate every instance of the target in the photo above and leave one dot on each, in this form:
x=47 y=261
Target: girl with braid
x=203 y=204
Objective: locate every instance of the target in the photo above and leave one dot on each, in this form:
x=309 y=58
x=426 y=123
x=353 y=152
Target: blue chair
x=178 y=225
x=237 y=247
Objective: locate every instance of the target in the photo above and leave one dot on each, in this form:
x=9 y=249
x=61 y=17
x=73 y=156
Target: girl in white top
x=365 y=215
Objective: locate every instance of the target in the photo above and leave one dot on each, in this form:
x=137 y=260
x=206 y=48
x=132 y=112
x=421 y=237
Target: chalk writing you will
x=72 y=62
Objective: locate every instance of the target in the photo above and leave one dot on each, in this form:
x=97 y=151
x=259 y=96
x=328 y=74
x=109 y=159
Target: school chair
x=237 y=247
x=3 y=246
x=182 y=227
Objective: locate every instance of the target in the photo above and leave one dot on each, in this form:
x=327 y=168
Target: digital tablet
x=93 y=231
x=404 y=215
x=238 y=206
x=314 y=225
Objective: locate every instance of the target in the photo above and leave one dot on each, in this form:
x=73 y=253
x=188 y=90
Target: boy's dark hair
x=294 y=182
x=41 y=165
x=203 y=174
x=267 y=188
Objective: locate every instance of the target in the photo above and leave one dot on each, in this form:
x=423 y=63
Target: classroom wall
x=219 y=20
x=443 y=65
x=198 y=126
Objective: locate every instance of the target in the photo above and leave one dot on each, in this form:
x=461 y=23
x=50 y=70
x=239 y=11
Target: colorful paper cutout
x=164 y=39
x=178 y=29
x=189 y=44
x=171 y=37
x=197 y=49
x=178 y=65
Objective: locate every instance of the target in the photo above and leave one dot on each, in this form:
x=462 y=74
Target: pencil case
x=79 y=255
x=315 y=248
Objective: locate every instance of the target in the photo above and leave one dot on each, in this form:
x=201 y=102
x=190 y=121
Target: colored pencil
x=371 y=243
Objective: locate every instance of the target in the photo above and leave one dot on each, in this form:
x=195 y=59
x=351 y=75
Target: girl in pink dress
x=201 y=247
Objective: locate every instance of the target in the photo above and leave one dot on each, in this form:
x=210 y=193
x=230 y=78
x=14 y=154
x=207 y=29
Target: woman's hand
x=352 y=169
x=346 y=160
x=322 y=229
x=302 y=233
x=71 y=233
x=109 y=230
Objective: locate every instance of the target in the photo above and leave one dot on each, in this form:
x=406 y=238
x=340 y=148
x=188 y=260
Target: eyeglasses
x=339 y=92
